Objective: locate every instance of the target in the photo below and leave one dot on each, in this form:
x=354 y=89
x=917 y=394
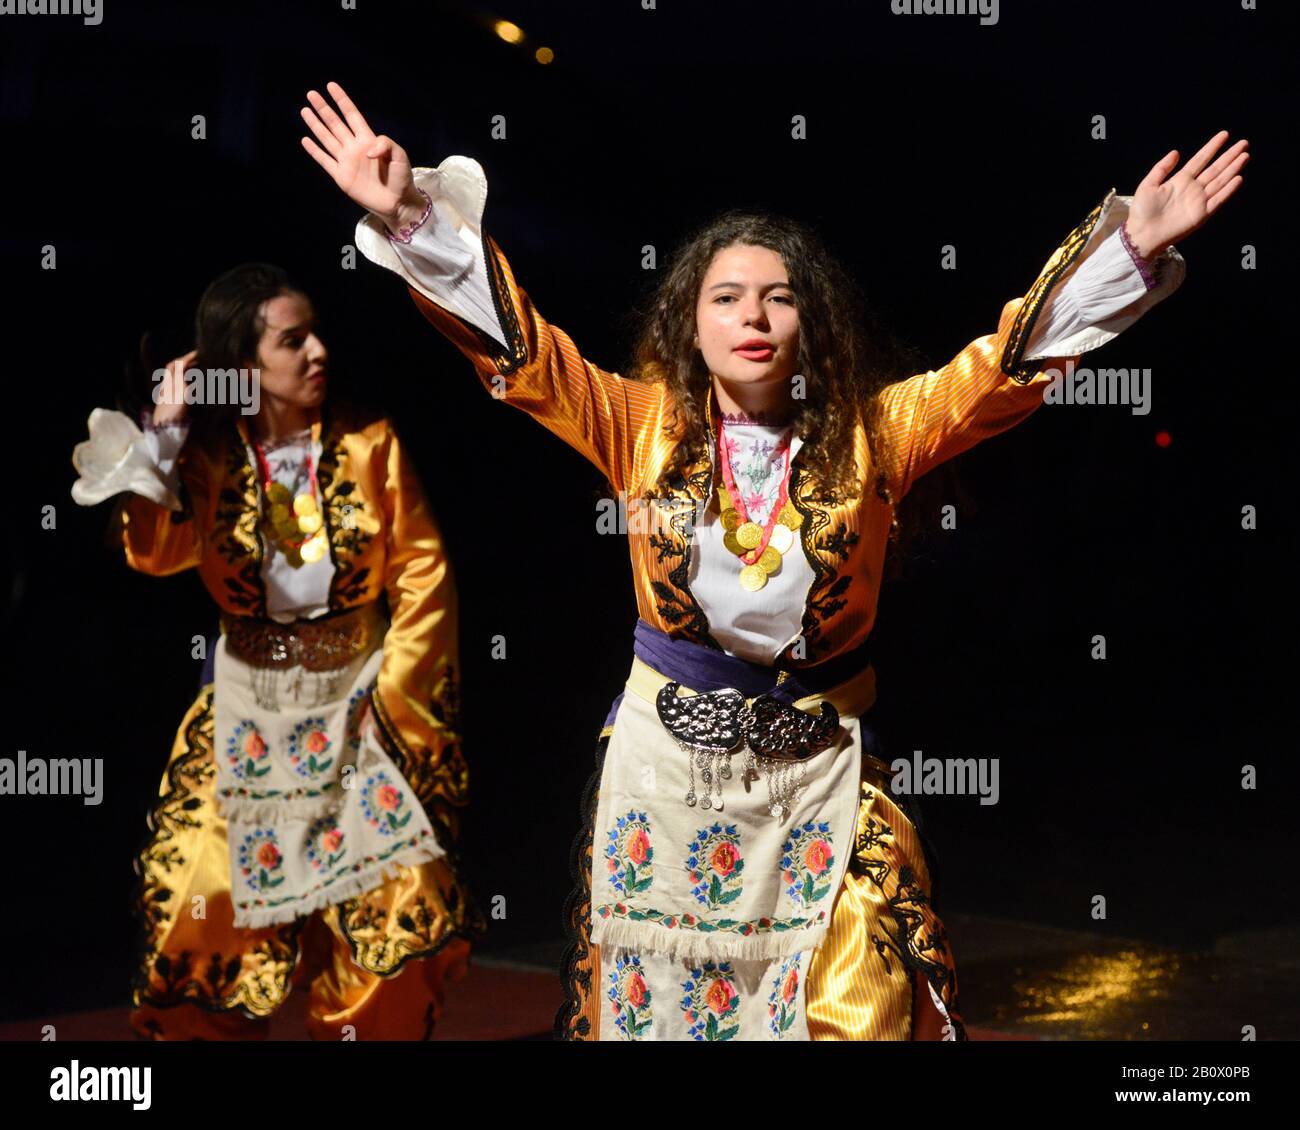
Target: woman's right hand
x=374 y=171
x=169 y=403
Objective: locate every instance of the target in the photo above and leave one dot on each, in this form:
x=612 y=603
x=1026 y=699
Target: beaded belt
x=711 y=726
x=328 y=644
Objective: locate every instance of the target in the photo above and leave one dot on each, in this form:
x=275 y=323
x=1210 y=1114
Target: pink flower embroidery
x=267 y=856
x=817 y=857
x=388 y=797
x=635 y=990
x=791 y=986
x=317 y=741
x=638 y=843
x=724 y=857
x=332 y=839
x=254 y=746
x=720 y=996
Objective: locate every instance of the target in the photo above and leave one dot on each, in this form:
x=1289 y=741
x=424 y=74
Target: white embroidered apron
x=706 y=919
x=316 y=811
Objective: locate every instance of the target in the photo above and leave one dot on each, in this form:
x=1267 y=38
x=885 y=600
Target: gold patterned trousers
x=374 y=966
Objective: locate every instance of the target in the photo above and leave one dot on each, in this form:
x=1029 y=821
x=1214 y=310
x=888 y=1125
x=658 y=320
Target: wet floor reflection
x=1050 y=984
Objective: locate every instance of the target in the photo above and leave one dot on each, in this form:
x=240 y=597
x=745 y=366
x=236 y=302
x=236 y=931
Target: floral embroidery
x=712 y=1002
x=629 y=856
x=341 y=873
x=807 y=859
x=628 y=992
x=325 y=846
x=714 y=865
x=704 y=925
x=352 y=727
x=260 y=860
x=781 y=1010
x=246 y=752
x=756 y=461
x=308 y=745
x=382 y=803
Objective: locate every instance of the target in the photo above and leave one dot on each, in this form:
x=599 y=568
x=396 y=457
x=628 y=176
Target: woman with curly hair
x=746 y=871
x=305 y=828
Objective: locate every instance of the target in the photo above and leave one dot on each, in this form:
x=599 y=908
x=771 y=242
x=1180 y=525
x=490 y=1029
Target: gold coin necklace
x=760 y=548
x=294 y=522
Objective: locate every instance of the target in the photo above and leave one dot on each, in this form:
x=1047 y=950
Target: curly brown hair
x=845 y=355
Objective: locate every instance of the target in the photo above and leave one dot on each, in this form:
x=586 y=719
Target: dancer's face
x=746 y=296
x=292 y=359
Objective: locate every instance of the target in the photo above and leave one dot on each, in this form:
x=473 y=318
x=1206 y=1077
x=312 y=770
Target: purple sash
x=707 y=669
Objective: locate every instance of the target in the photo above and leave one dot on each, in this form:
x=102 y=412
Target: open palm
x=1165 y=211
x=373 y=170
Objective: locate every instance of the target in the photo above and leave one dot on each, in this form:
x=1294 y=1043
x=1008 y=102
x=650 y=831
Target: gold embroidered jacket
x=385 y=545
x=618 y=424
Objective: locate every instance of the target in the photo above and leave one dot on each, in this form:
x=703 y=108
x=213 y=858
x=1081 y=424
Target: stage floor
x=1017 y=981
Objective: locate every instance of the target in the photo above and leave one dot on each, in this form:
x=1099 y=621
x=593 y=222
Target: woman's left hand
x=1164 y=211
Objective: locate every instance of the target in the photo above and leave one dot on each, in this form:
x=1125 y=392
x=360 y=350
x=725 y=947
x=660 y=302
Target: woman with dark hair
x=311 y=802
x=765 y=444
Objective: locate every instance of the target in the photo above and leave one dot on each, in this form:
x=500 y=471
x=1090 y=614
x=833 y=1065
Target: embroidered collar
x=300 y=438
x=767 y=419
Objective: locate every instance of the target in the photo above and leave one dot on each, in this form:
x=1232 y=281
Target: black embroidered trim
x=517 y=353
x=246 y=589
x=826 y=593
x=1022 y=328
x=678 y=606
x=346 y=540
x=426 y=784
x=471 y=922
x=570 y=1024
x=906 y=907
x=173 y=809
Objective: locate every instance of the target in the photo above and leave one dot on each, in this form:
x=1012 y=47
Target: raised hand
x=1165 y=211
x=169 y=393
x=374 y=171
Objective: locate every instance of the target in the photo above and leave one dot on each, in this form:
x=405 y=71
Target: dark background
x=1118 y=777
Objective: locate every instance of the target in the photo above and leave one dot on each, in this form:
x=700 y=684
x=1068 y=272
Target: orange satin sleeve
x=417 y=692
x=611 y=420
x=159 y=541
x=934 y=416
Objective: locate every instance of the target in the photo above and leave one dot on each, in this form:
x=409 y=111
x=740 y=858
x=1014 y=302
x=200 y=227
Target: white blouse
x=302 y=592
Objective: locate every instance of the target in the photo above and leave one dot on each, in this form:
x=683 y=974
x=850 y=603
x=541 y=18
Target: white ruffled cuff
x=1103 y=292
x=120 y=456
x=444 y=258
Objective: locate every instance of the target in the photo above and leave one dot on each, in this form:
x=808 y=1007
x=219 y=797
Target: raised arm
x=1111 y=269
x=464 y=285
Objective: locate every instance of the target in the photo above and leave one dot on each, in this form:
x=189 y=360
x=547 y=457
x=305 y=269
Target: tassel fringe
x=340 y=891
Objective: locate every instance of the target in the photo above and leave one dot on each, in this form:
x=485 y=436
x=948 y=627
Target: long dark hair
x=228 y=325
x=845 y=354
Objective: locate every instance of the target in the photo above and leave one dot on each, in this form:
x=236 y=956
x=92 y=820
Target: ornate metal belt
x=328 y=644
x=777 y=737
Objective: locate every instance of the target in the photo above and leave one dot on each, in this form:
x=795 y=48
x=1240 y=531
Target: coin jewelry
x=760 y=548
x=294 y=522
